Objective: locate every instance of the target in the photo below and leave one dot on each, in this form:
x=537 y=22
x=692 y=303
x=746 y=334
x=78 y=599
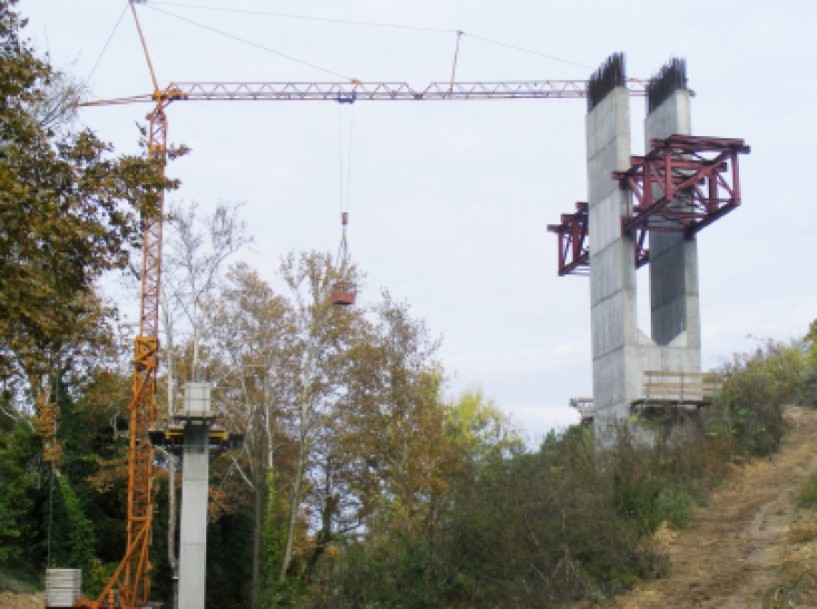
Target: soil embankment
x=752 y=547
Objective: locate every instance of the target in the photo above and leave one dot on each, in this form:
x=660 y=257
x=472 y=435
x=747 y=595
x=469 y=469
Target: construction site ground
x=751 y=547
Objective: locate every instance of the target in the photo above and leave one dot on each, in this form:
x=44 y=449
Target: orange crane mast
x=129 y=586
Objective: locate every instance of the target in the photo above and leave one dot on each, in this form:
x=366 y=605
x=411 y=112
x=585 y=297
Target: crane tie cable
x=308 y=17
x=107 y=43
x=251 y=43
x=373 y=24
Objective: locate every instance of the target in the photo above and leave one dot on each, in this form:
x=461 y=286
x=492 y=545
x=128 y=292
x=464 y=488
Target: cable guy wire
x=250 y=43
x=524 y=50
x=308 y=17
x=107 y=43
x=366 y=24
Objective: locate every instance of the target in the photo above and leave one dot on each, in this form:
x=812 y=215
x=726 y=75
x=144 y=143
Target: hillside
x=752 y=547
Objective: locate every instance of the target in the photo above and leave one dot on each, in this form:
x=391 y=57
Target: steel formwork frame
x=574 y=252
x=683 y=185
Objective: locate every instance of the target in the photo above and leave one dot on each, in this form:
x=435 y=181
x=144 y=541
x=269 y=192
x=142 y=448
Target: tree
x=393 y=457
x=197 y=250
x=322 y=335
x=69 y=212
x=18 y=452
x=480 y=431
x=281 y=381
x=56 y=108
x=253 y=329
x=399 y=424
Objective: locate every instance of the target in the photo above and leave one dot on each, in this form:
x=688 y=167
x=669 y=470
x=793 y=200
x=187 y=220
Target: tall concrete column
x=674 y=304
x=614 y=332
x=621 y=351
x=195 y=481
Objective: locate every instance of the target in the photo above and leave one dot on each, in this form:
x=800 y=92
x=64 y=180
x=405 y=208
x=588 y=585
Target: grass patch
x=796 y=583
x=19 y=579
x=802 y=534
x=808 y=495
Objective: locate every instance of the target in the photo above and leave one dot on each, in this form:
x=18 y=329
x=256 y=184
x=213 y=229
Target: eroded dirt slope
x=752 y=547
x=12 y=600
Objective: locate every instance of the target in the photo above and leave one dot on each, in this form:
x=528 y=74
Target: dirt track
x=751 y=547
x=10 y=600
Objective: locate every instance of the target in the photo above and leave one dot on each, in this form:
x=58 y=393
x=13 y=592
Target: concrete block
x=197 y=401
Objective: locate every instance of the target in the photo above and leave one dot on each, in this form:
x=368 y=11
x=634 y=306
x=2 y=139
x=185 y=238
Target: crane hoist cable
x=345 y=152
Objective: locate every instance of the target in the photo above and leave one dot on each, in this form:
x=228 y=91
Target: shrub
x=748 y=413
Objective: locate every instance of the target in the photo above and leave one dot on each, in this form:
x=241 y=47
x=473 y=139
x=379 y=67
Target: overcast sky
x=450 y=201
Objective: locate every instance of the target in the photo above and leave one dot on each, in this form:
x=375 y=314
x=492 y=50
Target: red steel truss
x=574 y=253
x=684 y=184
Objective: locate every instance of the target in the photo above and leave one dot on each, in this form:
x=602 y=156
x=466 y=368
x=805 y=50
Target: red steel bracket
x=684 y=184
x=574 y=252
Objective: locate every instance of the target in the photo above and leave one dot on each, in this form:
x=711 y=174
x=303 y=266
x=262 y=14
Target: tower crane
x=129 y=586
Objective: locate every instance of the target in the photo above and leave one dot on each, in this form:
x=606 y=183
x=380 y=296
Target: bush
x=748 y=413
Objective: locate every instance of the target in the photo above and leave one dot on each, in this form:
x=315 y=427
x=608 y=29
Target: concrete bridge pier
x=621 y=351
x=197 y=419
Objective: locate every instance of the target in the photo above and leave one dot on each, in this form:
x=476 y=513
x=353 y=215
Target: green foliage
x=274 y=541
x=748 y=413
x=18 y=477
x=229 y=558
x=794 y=588
x=809 y=389
x=479 y=430
x=807 y=498
x=72 y=540
x=69 y=212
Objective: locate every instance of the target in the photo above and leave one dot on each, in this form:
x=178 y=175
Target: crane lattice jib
x=352 y=91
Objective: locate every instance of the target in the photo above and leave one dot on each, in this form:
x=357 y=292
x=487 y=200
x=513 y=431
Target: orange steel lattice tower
x=129 y=587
